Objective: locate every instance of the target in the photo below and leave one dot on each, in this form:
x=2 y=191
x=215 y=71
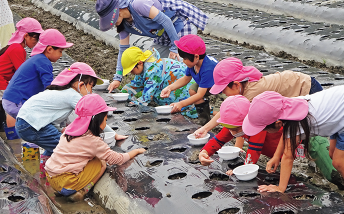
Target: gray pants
x=164 y=51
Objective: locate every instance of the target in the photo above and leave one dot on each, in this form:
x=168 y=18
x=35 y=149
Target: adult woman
x=165 y=21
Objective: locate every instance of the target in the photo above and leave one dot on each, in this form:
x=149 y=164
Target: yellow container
x=30 y=153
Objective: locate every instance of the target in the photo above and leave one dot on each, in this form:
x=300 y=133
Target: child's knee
x=192 y=92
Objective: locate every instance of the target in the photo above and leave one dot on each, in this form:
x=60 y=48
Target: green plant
x=139 y=94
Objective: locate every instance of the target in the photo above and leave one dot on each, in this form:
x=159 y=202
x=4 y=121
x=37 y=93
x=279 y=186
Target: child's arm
x=194 y=98
x=17 y=57
x=201 y=132
x=135 y=152
x=177 y=84
x=333 y=143
x=286 y=167
x=274 y=161
x=46 y=74
x=255 y=147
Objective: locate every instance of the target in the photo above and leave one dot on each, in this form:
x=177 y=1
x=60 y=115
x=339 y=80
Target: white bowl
x=246 y=172
x=228 y=152
x=120 y=96
x=109 y=137
x=198 y=141
x=103 y=86
x=163 y=109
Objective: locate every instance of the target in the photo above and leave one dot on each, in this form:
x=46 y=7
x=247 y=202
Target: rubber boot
x=319 y=152
x=2 y=117
x=11 y=133
x=203 y=112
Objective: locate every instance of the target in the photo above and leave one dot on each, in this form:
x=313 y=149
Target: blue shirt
x=32 y=77
x=204 y=78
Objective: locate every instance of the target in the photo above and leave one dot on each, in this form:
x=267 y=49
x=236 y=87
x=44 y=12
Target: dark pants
x=315 y=86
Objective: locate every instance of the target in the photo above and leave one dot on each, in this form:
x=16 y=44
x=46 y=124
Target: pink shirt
x=74 y=155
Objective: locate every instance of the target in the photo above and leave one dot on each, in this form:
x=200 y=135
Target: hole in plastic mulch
x=164 y=120
x=114 y=128
x=272 y=179
x=10 y=183
x=248 y=194
x=154 y=163
x=201 y=195
x=177 y=176
x=142 y=128
x=229 y=211
x=118 y=112
x=183 y=130
x=304 y=197
x=15 y=198
x=219 y=177
x=180 y=149
x=284 y=212
x=130 y=119
x=327 y=84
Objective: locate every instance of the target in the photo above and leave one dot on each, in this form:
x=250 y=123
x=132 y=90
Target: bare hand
x=113 y=85
x=120 y=137
x=177 y=107
x=270 y=188
x=174 y=56
x=204 y=158
x=201 y=132
x=229 y=172
x=140 y=151
x=165 y=92
x=272 y=165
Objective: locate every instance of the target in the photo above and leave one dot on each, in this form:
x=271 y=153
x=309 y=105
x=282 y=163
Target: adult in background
x=164 y=20
x=6 y=23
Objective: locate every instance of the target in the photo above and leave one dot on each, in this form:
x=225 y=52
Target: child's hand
x=165 y=92
x=272 y=163
x=229 y=172
x=201 y=132
x=204 y=158
x=270 y=188
x=177 y=107
x=120 y=137
x=113 y=85
x=174 y=56
x=140 y=151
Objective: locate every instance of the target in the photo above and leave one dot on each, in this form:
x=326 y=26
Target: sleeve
x=255 y=146
x=218 y=141
x=46 y=74
x=187 y=72
x=166 y=22
x=75 y=99
x=103 y=152
x=119 y=68
x=206 y=75
x=142 y=7
x=17 y=56
x=134 y=87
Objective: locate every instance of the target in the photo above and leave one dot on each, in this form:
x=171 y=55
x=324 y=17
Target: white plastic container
x=228 y=152
x=109 y=137
x=163 y=109
x=198 y=141
x=120 y=96
x=246 y=172
x=103 y=86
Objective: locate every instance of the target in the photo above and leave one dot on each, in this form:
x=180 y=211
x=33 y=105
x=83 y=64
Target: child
x=35 y=74
x=152 y=74
x=233 y=111
x=14 y=54
x=80 y=158
x=39 y=118
x=200 y=67
x=320 y=114
x=232 y=78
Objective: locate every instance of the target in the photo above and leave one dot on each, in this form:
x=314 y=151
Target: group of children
x=280 y=115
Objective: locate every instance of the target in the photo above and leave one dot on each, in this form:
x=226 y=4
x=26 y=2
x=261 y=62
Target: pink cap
x=50 y=37
x=231 y=69
x=270 y=106
x=234 y=110
x=191 y=44
x=26 y=25
x=69 y=73
x=88 y=106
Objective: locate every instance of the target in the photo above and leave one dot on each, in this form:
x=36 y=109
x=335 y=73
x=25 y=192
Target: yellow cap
x=131 y=57
x=228 y=126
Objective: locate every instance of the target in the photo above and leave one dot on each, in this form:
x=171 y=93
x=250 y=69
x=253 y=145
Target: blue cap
x=108 y=11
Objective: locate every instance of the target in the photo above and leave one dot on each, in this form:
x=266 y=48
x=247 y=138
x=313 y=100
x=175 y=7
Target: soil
x=194 y=156
x=102 y=58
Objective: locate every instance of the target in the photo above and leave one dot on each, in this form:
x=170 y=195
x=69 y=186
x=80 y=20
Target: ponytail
x=4 y=49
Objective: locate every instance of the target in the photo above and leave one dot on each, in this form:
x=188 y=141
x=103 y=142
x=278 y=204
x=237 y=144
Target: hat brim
x=226 y=122
x=67 y=45
x=107 y=22
x=128 y=70
x=216 y=89
x=249 y=129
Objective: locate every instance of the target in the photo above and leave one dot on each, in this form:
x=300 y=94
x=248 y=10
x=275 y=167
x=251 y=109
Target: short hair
x=188 y=56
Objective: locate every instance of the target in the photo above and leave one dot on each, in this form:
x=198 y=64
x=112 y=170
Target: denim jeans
x=47 y=137
x=315 y=86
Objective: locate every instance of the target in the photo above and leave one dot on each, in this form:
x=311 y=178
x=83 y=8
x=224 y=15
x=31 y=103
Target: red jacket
x=263 y=143
x=10 y=61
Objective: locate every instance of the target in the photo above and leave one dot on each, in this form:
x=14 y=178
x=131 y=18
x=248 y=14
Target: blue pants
x=315 y=86
x=47 y=137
